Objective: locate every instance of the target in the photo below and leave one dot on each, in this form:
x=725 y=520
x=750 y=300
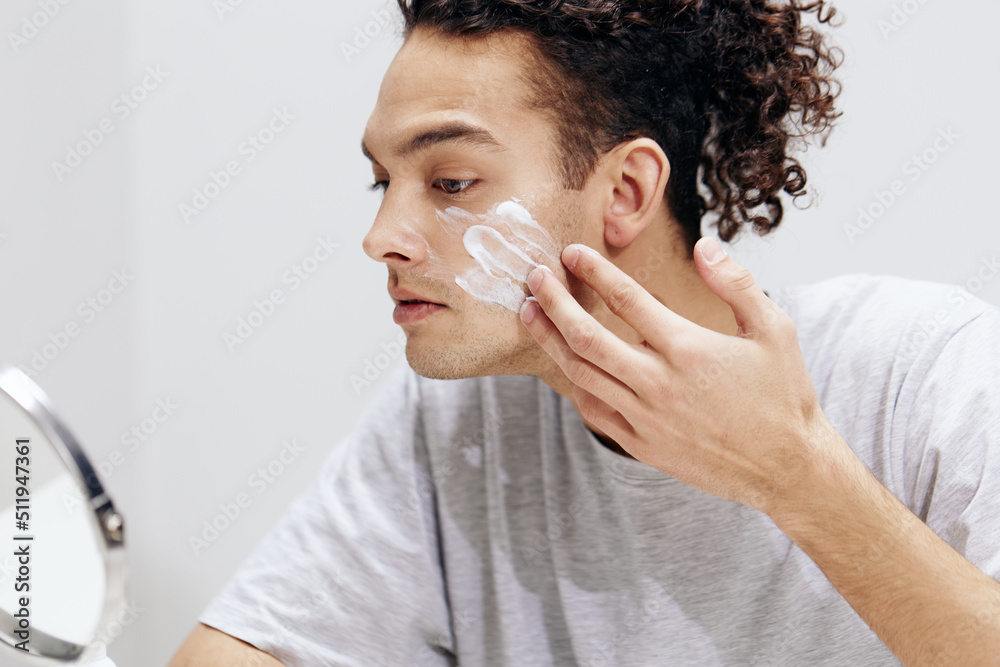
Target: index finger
x=625 y=298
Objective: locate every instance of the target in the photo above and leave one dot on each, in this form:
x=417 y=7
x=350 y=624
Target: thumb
x=732 y=282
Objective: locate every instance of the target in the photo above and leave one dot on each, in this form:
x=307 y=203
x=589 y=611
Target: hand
x=735 y=416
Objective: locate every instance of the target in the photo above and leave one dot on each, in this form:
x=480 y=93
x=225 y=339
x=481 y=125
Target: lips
x=412 y=307
x=415 y=311
x=406 y=297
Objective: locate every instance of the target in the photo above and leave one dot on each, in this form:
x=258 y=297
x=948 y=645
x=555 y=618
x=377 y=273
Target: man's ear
x=636 y=175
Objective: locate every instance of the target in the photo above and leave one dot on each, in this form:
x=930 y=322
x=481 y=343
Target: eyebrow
x=455 y=132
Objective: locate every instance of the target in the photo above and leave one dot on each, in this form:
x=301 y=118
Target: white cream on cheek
x=507 y=243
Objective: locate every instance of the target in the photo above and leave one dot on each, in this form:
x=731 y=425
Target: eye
x=452 y=186
x=379 y=185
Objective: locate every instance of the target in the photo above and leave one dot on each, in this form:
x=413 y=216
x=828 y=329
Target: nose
x=395 y=239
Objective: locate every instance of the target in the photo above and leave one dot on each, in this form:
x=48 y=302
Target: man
x=650 y=461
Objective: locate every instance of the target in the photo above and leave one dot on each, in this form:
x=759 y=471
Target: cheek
x=505 y=244
x=500 y=270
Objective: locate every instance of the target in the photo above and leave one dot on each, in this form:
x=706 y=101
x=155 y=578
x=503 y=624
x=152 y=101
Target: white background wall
x=162 y=337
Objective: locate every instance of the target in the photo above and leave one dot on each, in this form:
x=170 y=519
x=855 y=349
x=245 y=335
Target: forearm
x=922 y=598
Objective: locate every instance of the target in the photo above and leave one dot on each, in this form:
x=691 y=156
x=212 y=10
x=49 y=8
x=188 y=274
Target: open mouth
x=417 y=302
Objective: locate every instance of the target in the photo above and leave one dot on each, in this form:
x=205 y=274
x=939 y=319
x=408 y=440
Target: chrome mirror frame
x=106 y=522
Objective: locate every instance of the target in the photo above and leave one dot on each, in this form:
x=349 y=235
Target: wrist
x=821 y=484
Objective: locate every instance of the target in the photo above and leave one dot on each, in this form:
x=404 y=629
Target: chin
x=457 y=358
x=450 y=365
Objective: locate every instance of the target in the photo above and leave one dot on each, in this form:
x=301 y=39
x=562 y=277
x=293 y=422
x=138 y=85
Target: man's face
x=454 y=136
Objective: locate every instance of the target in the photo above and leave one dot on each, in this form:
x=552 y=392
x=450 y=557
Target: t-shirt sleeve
x=351 y=575
x=952 y=445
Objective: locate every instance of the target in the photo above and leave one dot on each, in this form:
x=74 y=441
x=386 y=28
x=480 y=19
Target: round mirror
x=61 y=545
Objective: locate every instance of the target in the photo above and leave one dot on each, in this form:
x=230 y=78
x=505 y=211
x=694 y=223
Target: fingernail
x=571 y=256
x=535 y=278
x=712 y=251
x=529 y=309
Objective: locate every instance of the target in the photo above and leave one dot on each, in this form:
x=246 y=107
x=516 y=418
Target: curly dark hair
x=722 y=85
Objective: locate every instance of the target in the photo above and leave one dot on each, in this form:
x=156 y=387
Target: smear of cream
x=507 y=243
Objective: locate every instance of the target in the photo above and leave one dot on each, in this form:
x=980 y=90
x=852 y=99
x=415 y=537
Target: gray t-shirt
x=479 y=522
